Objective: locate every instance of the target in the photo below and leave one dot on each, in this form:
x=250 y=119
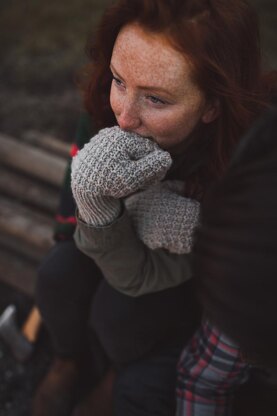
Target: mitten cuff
x=99 y=211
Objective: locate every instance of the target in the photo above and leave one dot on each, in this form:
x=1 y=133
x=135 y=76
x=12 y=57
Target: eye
x=156 y=100
x=117 y=82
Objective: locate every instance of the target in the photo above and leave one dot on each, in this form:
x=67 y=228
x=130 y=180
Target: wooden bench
x=31 y=174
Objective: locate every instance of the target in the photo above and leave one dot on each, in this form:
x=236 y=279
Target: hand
x=113 y=165
x=163 y=217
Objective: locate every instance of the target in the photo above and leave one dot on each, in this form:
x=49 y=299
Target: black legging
x=75 y=301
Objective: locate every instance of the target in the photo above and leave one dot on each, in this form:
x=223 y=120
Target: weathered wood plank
x=30 y=179
x=26 y=190
x=25 y=225
x=47 y=142
x=33 y=161
x=21 y=247
x=17 y=272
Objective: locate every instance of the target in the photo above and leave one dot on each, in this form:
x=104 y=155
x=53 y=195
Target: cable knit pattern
x=116 y=164
x=163 y=218
x=112 y=165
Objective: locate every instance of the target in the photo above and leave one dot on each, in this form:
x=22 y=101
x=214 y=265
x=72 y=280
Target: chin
x=164 y=144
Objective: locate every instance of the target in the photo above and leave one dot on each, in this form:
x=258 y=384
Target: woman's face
x=152 y=92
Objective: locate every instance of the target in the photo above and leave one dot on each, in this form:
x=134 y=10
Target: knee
x=112 y=323
x=139 y=391
x=52 y=274
x=128 y=395
x=115 y=340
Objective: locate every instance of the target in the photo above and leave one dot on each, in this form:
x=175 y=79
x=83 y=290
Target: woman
x=182 y=80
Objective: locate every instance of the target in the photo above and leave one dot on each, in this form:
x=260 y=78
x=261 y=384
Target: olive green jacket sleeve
x=126 y=262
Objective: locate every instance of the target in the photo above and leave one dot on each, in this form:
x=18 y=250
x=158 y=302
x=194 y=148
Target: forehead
x=149 y=57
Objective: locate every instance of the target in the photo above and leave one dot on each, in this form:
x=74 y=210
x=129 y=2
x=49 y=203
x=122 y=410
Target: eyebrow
x=145 y=87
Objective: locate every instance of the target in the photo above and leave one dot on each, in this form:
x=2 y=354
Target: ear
x=211 y=112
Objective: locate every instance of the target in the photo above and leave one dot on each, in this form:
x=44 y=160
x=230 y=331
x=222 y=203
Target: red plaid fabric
x=209 y=371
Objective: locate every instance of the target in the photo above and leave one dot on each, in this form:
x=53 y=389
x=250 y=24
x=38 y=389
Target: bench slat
x=26 y=190
x=33 y=161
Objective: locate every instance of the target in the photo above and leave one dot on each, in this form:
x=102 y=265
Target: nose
x=128 y=117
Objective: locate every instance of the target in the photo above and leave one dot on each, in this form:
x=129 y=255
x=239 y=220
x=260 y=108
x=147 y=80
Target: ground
x=42 y=49
x=18 y=381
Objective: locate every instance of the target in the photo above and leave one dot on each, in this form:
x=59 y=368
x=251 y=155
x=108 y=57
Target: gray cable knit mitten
x=163 y=217
x=112 y=165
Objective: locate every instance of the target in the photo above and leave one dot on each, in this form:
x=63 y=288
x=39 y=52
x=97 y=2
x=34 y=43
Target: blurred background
x=42 y=48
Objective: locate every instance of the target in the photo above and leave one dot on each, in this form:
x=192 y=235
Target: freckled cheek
x=115 y=101
x=175 y=127
x=189 y=117
x=169 y=125
x=155 y=122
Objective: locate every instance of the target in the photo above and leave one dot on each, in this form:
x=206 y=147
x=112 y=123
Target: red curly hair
x=221 y=40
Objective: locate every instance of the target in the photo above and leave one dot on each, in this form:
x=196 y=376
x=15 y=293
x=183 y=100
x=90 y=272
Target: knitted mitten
x=163 y=218
x=113 y=165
